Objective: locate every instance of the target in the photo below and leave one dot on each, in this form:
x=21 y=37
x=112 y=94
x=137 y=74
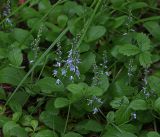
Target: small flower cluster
x=133 y=115
x=100 y=70
x=130 y=68
x=6 y=12
x=70 y=65
x=94 y=102
x=35 y=43
x=145 y=89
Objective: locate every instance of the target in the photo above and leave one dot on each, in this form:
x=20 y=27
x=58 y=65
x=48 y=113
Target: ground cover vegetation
x=79 y=68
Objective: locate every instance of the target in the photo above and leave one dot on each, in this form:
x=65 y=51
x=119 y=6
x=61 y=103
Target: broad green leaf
x=110 y=117
x=122 y=115
x=48 y=85
x=103 y=82
x=61 y=102
x=138 y=104
x=3 y=120
x=76 y=88
x=34 y=124
x=62 y=20
x=44 y=5
x=22 y=35
x=52 y=121
x=117 y=132
x=13 y=129
x=11 y=76
x=2 y=93
x=157 y=105
x=89 y=125
x=145 y=59
x=72 y=134
x=153 y=134
x=143 y=41
x=94 y=91
x=118 y=102
x=28 y=13
x=15 y=57
x=119 y=21
x=129 y=50
x=95 y=32
x=154 y=84
x=88 y=59
x=154 y=28
x=16 y=116
x=3 y=53
x=137 y=5
x=46 y=133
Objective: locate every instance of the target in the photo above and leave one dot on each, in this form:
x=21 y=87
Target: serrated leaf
x=138 y=104
x=129 y=50
x=145 y=59
x=143 y=41
x=13 y=129
x=15 y=57
x=154 y=84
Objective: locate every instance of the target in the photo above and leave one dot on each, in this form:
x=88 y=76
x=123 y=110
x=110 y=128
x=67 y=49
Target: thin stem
x=69 y=108
x=86 y=26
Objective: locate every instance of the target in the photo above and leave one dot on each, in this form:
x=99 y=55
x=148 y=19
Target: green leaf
x=129 y=50
x=95 y=32
x=62 y=20
x=137 y=5
x=20 y=35
x=157 y=105
x=3 y=120
x=145 y=59
x=76 y=88
x=110 y=117
x=61 y=102
x=122 y=115
x=2 y=93
x=34 y=124
x=89 y=125
x=153 y=134
x=51 y=120
x=88 y=59
x=138 y=104
x=11 y=76
x=94 y=91
x=118 y=102
x=15 y=57
x=48 y=85
x=46 y=133
x=13 y=129
x=117 y=132
x=154 y=28
x=143 y=41
x=154 y=83
x=3 y=53
x=103 y=82
x=72 y=134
